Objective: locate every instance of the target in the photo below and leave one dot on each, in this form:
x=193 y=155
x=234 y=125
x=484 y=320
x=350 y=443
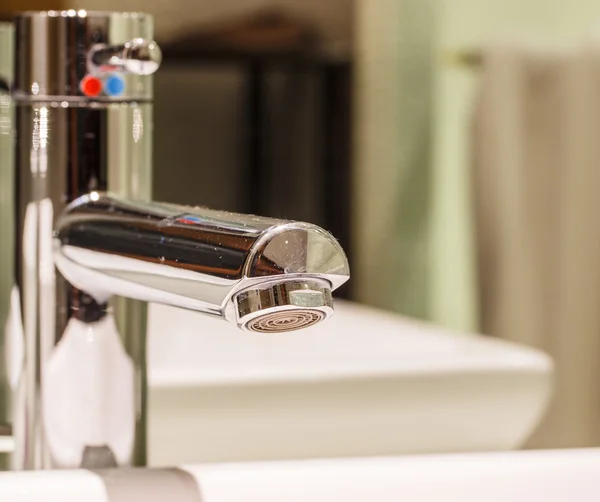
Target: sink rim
x=452 y=353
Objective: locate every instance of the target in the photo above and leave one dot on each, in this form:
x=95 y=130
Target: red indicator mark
x=90 y=86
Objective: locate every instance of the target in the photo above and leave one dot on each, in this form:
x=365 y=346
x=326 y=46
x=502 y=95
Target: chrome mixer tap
x=90 y=249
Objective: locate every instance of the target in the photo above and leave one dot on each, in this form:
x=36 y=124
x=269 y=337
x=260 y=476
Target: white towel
x=537 y=206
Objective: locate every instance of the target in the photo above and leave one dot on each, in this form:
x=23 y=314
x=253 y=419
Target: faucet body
x=68 y=144
x=90 y=249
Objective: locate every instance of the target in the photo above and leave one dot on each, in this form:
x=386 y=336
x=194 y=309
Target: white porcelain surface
x=536 y=476
x=363 y=383
x=548 y=476
x=52 y=486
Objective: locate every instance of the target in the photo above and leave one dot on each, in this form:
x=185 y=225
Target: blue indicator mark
x=114 y=85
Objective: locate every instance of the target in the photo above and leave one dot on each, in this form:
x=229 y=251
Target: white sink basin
x=361 y=384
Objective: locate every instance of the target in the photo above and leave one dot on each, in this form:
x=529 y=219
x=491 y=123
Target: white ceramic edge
x=551 y=476
x=52 y=486
x=543 y=367
x=479 y=355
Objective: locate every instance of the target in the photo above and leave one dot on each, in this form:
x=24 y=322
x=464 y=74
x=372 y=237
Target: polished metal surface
x=296 y=303
x=63 y=152
x=278 y=322
x=91 y=247
x=68 y=145
x=137 y=56
x=230 y=265
x=56 y=50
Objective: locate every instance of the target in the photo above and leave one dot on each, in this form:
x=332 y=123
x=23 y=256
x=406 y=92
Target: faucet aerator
x=284 y=307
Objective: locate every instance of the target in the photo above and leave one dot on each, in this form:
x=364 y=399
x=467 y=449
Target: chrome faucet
x=91 y=249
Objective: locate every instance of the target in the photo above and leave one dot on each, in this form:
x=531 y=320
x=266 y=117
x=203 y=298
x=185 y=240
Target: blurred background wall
x=393 y=131
x=415 y=100
x=469 y=25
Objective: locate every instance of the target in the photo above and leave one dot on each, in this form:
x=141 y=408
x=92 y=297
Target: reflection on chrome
x=197 y=258
x=75 y=425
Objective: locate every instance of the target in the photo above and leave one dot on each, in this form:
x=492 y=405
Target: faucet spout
x=262 y=274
